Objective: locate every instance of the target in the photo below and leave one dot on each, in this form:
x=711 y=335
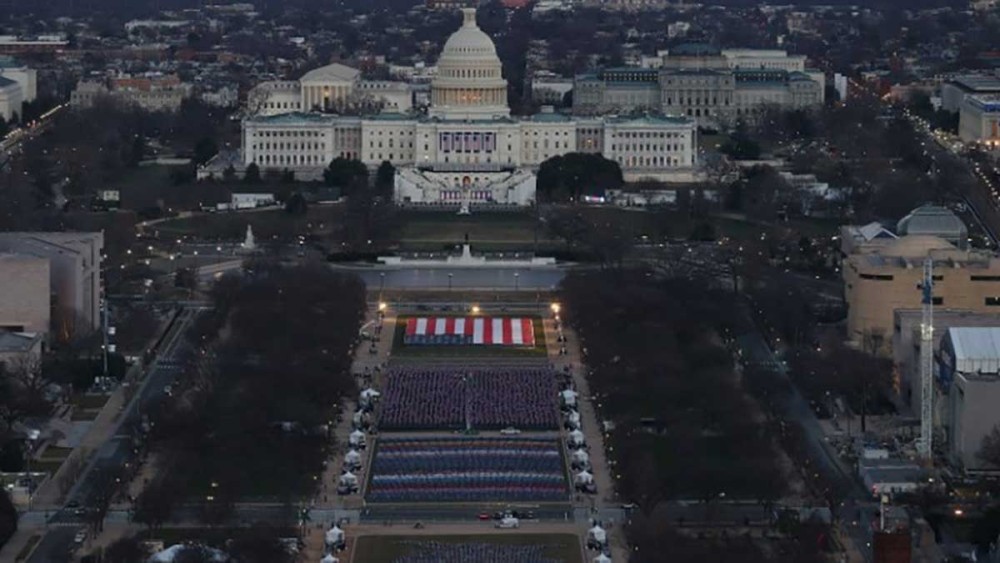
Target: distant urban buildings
x=151 y=93
x=451 y=4
x=954 y=91
x=550 y=88
x=699 y=81
x=13 y=44
x=11 y=99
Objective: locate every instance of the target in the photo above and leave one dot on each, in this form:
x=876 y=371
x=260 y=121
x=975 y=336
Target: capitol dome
x=469 y=82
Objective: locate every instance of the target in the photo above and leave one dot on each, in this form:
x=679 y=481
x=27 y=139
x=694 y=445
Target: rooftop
x=977 y=349
x=331 y=72
x=932 y=220
x=18 y=342
x=294 y=118
x=648 y=119
x=694 y=50
x=978 y=82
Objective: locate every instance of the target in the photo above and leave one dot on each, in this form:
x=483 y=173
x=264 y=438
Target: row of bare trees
x=251 y=416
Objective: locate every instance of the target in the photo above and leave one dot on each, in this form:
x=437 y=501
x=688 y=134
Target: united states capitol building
x=467 y=147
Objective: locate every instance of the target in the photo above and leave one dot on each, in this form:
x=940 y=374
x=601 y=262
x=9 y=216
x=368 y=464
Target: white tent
x=602 y=559
x=576 y=438
x=334 y=536
x=580 y=456
x=367 y=397
x=331 y=559
x=348 y=479
x=356 y=438
x=569 y=397
x=583 y=478
x=352 y=457
x=573 y=419
x=597 y=535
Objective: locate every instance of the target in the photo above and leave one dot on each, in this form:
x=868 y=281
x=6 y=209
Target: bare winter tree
x=989 y=448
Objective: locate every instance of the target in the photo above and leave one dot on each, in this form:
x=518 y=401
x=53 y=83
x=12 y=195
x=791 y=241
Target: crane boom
x=925 y=446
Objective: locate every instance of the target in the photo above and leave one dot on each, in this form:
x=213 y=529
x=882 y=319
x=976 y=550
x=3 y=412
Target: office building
x=25 y=301
x=74 y=275
x=711 y=85
x=970 y=368
x=954 y=91
x=886 y=274
x=979 y=120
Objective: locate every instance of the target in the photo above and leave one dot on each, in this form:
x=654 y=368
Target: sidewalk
x=363 y=359
x=49 y=496
x=16 y=543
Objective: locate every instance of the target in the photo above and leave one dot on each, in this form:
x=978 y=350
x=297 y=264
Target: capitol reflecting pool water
x=462 y=278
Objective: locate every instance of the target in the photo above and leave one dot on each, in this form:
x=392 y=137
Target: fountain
x=248 y=244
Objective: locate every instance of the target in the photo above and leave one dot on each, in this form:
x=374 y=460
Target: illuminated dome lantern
x=469 y=82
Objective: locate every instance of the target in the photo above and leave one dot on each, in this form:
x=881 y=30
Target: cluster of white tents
x=352 y=460
x=357 y=440
x=347 y=483
x=334 y=540
x=567 y=398
x=571 y=420
x=367 y=399
x=597 y=539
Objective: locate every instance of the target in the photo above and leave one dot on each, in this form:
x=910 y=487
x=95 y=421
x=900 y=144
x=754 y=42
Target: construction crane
x=925 y=445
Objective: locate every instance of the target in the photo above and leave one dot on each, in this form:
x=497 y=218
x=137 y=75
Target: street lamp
x=475 y=309
x=555 y=308
x=517 y=277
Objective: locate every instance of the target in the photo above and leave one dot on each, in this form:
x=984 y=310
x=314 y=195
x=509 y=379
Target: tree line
x=252 y=416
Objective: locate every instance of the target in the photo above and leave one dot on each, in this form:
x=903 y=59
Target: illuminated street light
x=555 y=308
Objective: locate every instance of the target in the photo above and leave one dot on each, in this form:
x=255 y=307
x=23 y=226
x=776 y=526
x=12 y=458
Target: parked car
x=508 y=523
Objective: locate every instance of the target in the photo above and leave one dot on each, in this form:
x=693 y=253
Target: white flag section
x=494 y=331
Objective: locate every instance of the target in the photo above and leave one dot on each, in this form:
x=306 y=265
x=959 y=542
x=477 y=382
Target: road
x=858 y=505
x=11 y=143
x=56 y=546
x=117 y=450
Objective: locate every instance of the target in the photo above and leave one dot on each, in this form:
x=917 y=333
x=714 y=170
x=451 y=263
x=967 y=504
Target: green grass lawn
x=399 y=349
x=46 y=465
x=564 y=548
x=83 y=415
x=89 y=401
x=55 y=453
x=448 y=228
x=266 y=224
